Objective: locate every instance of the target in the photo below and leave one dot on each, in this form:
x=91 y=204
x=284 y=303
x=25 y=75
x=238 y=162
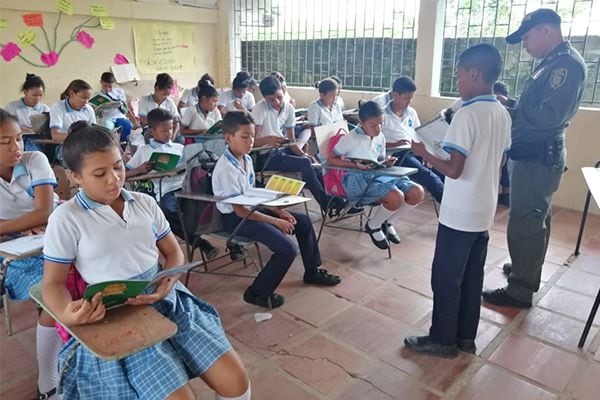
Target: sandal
x=382 y=244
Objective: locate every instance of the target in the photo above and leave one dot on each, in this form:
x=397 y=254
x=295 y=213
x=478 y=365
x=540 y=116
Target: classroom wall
x=88 y=64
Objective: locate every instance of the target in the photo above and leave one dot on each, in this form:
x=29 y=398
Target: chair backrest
x=333 y=178
x=324 y=133
x=40 y=123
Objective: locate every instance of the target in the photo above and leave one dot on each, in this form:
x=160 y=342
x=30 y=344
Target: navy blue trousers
x=457 y=281
x=283 y=248
x=424 y=176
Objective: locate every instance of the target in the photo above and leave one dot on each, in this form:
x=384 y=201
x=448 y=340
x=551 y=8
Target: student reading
x=108 y=233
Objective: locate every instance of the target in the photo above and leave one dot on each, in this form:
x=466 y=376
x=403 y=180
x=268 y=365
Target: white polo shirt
x=189 y=97
x=271 y=121
x=23 y=112
x=383 y=99
x=357 y=144
x=102 y=245
x=340 y=102
x=17 y=196
x=480 y=130
x=116 y=94
x=143 y=154
x=318 y=114
x=230 y=178
x=227 y=98
x=148 y=104
x=193 y=118
x=397 y=128
x=62 y=115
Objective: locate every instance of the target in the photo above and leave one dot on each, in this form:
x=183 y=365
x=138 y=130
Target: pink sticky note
x=33 y=19
x=85 y=39
x=10 y=51
x=49 y=58
x=120 y=59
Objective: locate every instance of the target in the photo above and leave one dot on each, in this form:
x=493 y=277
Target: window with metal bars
x=469 y=22
x=366 y=43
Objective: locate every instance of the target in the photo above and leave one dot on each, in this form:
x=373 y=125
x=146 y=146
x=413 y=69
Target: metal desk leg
x=589 y=321
x=7 y=321
x=583 y=219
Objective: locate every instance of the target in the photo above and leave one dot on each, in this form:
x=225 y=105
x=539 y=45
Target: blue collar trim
x=90 y=204
x=155 y=144
x=484 y=97
x=231 y=158
x=19 y=170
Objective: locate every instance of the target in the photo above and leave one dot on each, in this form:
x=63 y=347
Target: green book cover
x=215 y=129
x=368 y=163
x=164 y=161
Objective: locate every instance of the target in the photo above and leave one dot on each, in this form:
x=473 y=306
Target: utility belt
x=548 y=152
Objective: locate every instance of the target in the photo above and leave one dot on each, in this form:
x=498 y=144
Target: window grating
x=367 y=43
x=468 y=22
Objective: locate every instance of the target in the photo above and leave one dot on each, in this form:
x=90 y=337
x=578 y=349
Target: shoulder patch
x=557 y=77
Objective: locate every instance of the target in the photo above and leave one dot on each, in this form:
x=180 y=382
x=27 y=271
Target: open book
x=103 y=104
x=277 y=187
x=164 y=161
x=432 y=135
x=116 y=293
x=216 y=129
x=23 y=245
x=368 y=163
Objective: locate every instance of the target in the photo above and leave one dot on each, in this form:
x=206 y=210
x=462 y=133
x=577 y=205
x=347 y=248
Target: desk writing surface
x=592 y=178
x=390 y=171
x=155 y=175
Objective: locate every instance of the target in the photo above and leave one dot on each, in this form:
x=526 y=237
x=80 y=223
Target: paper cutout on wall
x=99 y=10
x=120 y=59
x=125 y=72
x=27 y=37
x=2 y=23
x=9 y=51
x=85 y=39
x=161 y=47
x=107 y=23
x=65 y=6
x=50 y=58
x=32 y=20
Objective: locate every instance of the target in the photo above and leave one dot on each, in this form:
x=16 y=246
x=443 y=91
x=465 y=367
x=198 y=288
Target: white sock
x=377 y=218
x=245 y=396
x=48 y=345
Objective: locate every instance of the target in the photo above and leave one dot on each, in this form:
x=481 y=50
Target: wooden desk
x=156 y=175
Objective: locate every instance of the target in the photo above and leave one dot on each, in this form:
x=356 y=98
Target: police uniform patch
x=558 y=77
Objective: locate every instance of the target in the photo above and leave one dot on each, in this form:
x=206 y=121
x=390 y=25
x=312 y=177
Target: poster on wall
x=164 y=47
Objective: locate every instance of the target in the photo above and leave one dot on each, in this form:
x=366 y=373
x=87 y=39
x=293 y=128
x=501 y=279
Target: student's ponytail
x=206 y=89
x=32 y=81
x=75 y=86
x=242 y=80
x=163 y=81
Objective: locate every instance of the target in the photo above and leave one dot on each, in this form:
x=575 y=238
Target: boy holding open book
x=234 y=175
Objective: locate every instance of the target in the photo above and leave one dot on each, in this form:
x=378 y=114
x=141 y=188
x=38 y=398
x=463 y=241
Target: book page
x=264 y=193
x=245 y=200
x=432 y=135
x=22 y=245
x=286 y=185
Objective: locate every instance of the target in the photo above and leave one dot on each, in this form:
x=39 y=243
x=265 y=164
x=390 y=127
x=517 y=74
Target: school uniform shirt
x=318 y=114
x=227 y=97
x=231 y=178
x=357 y=144
x=271 y=121
x=23 y=112
x=340 y=102
x=383 y=99
x=143 y=154
x=193 y=118
x=62 y=115
x=148 y=104
x=116 y=94
x=17 y=196
x=190 y=97
x=397 y=128
x=480 y=130
x=128 y=246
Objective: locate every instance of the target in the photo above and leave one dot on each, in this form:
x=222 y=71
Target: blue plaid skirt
x=356 y=184
x=22 y=275
x=157 y=371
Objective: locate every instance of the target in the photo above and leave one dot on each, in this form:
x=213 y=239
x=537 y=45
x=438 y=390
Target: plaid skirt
x=156 y=372
x=22 y=275
x=361 y=190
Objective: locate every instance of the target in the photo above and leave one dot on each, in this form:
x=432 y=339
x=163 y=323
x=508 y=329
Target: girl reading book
x=108 y=233
x=27 y=198
x=366 y=142
x=196 y=120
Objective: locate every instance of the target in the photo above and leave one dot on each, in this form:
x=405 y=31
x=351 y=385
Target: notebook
x=23 y=245
x=164 y=161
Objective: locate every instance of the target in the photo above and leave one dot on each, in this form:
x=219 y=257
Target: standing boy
x=477 y=139
x=233 y=175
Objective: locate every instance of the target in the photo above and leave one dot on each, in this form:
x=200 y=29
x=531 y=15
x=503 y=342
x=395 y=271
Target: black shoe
x=321 y=277
x=499 y=297
x=467 y=346
x=423 y=344
x=507 y=269
x=236 y=252
x=47 y=395
x=355 y=210
x=273 y=301
x=391 y=236
x=336 y=206
x=382 y=244
x=205 y=247
x=504 y=199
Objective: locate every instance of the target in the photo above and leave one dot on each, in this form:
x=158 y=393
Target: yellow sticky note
x=65 y=6
x=99 y=10
x=26 y=37
x=2 y=23
x=107 y=23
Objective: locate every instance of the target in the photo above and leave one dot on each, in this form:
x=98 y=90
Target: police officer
x=549 y=100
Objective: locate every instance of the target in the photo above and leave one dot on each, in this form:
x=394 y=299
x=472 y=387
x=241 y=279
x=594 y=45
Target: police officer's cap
x=537 y=17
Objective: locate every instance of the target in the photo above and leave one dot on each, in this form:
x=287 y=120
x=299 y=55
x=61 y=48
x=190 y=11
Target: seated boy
x=233 y=174
x=477 y=139
x=399 y=124
x=160 y=126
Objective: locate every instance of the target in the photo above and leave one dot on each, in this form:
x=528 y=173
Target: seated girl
x=366 y=142
x=117 y=118
x=109 y=233
x=196 y=120
x=190 y=96
x=160 y=99
x=27 y=198
x=239 y=97
x=73 y=106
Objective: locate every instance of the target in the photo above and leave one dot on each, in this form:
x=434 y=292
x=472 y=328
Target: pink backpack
x=332 y=177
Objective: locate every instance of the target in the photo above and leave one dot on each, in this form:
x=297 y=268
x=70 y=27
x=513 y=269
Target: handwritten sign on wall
x=162 y=47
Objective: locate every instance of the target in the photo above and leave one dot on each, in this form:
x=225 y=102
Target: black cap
x=537 y=17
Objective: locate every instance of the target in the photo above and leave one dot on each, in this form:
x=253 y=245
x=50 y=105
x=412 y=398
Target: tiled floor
x=346 y=342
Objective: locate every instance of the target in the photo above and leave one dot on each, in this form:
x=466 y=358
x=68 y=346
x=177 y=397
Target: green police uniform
x=549 y=100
